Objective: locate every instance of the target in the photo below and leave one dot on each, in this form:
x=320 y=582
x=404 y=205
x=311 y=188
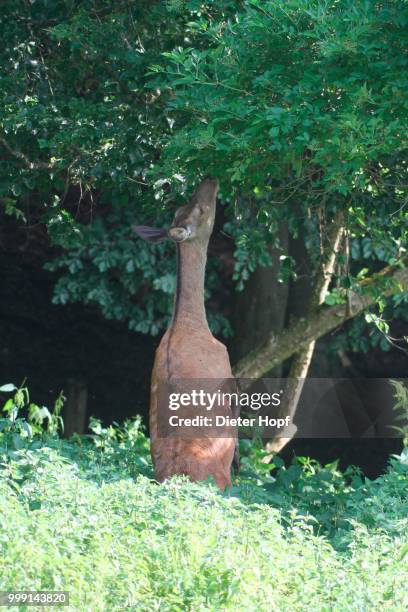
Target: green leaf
x=8 y=388
x=34 y=504
x=5 y=423
x=18 y=442
x=403 y=552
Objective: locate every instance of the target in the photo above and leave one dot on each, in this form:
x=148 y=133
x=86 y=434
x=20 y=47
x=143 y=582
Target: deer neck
x=189 y=309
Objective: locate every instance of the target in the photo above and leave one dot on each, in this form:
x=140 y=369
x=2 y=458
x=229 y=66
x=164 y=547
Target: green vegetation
x=111 y=112
x=85 y=515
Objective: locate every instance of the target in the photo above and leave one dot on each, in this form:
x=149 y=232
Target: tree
x=79 y=132
x=298 y=107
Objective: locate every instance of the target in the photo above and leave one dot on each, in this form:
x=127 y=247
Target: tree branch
x=326 y=318
x=302 y=359
x=21 y=156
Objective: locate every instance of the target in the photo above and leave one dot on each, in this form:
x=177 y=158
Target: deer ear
x=150 y=234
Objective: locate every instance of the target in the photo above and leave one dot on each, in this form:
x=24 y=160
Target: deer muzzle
x=179 y=234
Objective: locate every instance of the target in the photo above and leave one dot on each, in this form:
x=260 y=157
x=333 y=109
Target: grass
x=86 y=516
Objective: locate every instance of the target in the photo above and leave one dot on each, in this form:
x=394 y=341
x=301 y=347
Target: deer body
x=188 y=350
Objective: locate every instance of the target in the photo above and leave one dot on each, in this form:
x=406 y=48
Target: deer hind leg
x=236 y=411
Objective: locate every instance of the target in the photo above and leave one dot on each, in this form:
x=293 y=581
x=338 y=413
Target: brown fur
x=194 y=354
x=188 y=350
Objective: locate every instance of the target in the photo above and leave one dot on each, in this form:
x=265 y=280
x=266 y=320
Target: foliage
x=299 y=108
x=401 y=407
x=111 y=112
x=79 y=132
x=84 y=515
x=17 y=430
x=360 y=337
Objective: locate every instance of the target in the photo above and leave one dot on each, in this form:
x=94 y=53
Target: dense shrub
x=86 y=516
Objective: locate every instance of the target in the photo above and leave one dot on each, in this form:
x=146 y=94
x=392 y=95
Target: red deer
x=188 y=349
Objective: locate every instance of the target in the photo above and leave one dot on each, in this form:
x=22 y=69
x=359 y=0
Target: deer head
x=192 y=222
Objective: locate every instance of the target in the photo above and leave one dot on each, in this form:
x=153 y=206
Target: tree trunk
x=301 y=362
x=260 y=308
x=75 y=409
x=300 y=289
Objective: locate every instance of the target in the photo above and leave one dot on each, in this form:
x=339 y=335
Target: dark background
x=46 y=345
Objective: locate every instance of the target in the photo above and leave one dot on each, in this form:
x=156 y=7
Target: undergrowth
x=86 y=516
